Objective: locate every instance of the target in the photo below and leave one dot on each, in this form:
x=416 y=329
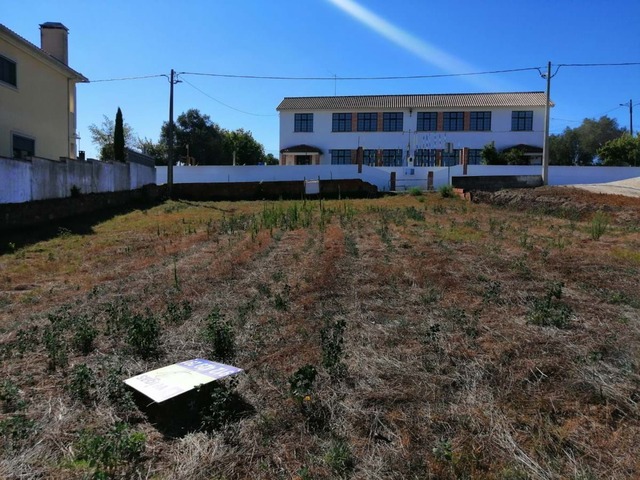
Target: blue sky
x=335 y=38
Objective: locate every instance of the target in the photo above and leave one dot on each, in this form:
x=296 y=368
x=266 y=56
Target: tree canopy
x=200 y=141
x=103 y=137
x=579 y=146
x=621 y=151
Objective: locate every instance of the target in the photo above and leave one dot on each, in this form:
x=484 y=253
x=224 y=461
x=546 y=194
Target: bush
x=144 y=335
x=599 y=225
x=10 y=397
x=332 y=340
x=301 y=382
x=84 y=336
x=446 y=191
x=118 y=452
x=81 y=383
x=548 y=311
x=219 y=335
x=415 y=191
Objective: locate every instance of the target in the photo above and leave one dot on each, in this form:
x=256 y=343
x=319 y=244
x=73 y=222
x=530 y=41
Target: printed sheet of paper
x=172 y=380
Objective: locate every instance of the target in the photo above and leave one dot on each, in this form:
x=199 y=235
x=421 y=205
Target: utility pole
x=545 y=145
x=630 y=105
x=172 y=82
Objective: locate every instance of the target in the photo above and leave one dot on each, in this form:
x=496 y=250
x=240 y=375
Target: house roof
x=524 y=148
x=435 y=100
x=37 y=51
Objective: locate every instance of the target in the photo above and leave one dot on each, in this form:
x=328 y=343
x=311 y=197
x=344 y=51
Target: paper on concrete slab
x=172 y=380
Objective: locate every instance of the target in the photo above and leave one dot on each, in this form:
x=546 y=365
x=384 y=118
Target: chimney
x=53 y=40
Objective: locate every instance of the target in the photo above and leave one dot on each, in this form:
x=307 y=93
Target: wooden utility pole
x=170 y=139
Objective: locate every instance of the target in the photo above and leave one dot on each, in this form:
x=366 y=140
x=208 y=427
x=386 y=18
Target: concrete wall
x=406 y=178
x=40 y=179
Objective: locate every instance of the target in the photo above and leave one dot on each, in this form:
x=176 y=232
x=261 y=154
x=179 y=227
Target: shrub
x=415 y=191
x=599 y=225
x=82 y=380
x=117 y=393
x=144 y=335
x=446 y=191
x=223 y=405
x=549 y=311
x=331 y=337
x=339 y=457
x=10 y=397
x=118 y=452
x=220 y=336
x=178 y=313
x=15 y=430
x=56 y=347
x=84 y=335
x=301 y=382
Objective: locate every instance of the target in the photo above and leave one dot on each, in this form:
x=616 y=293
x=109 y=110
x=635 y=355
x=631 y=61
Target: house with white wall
x=37 y=95
x=408 y=130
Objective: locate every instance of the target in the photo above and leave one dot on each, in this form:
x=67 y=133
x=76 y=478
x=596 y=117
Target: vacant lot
x=403 y=337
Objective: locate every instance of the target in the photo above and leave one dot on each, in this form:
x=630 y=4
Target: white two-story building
x=409 y=130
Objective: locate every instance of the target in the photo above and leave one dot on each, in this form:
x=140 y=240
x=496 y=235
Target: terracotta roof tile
x=436 y=100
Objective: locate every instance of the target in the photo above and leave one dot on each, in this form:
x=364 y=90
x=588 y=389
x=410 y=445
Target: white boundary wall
x=39 y=179
x=406 y=177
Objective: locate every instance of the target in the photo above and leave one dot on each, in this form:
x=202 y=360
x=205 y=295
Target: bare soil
x=498 y=339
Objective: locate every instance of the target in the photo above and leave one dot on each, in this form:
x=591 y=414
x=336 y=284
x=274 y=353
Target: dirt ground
x=629 y=187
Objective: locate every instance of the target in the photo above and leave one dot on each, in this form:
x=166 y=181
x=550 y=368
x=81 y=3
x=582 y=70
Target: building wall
x=38 y=107
x=323 y=138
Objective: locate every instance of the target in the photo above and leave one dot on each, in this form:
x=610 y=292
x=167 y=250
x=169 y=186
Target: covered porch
x=300 y=155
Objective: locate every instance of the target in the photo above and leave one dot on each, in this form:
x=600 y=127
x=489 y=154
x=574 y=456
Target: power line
x=127 y=78
x=228 y=106
x=334 y=78
x=625 y=64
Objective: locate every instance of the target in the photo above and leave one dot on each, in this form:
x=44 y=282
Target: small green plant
x=413 y=213
x=549 y=310
x=117 y=393
x=143 y=334
x=85 y=334
x=14 y=431
x=11 y=398
x=27 y=339
x=115 y=453
x=81 y=382
x=415 y=191
x=75 y=191
x=281 y=299
x=301 y=383
x=56 y=347
x=599 y=225
x=178 y=313
x=332 y=340
x=219 y=336
x=446 y=191
x=443 y=451
x=339 y=458
x=223 y=405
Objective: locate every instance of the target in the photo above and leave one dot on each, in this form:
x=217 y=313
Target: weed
x=178 y=313
x=412 y=213
x=446 y=191
x=224 y=406
x=443 y=451
x=496 y=227
x=522 y=268
x=117 y=393
x=64 y=232
x=339 y=458
x=27 y=339
x=281 y=299
x=492 y=293
x=143 y=334
x=549 y=310
x=350 y=245
x=431 y=296
x=116 y=453
x=473 y=223
x=81 y=383
x=56 y=347
x=15 y=430
x=11 y=398
x=301 y=383
x=85 y=334
x=263 y=289
x=415 y=191
x=439 y=209
x=332 y=340
x=599 y=225
x=219 y=336
x=118 y=317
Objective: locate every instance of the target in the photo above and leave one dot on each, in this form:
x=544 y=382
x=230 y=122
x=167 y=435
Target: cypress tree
x=118 y=138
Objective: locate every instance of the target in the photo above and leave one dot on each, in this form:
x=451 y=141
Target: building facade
x=37 y=95
x=409 y=130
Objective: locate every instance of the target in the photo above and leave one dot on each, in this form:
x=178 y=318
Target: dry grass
x=442 y=373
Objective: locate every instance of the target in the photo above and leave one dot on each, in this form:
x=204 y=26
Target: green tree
x=196 y=133
x=156 y=150
x=248 y=150
x=102 y=137
x=118 y=138
x=515 y=156
x=580 y=146
x=270 y=159
x=621 y=151
x=490 y=155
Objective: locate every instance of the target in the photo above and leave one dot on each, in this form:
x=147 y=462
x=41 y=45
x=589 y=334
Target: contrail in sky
x=424 y=50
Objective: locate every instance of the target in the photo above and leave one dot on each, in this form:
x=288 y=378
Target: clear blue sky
x=327 y=38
